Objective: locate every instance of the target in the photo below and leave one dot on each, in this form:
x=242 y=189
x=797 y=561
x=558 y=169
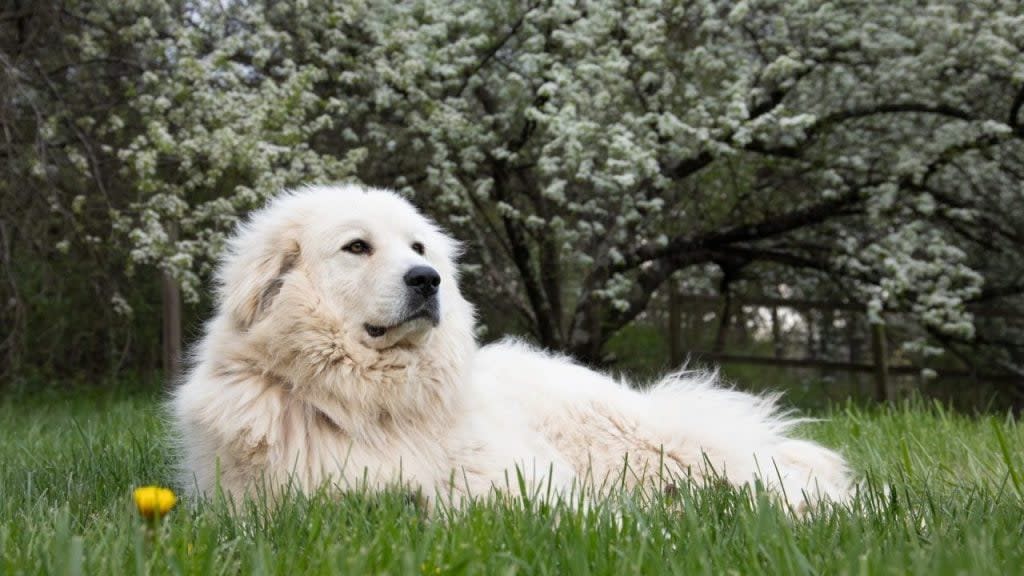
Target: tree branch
x=1015 y=108
x=765 y=228
x=493 y=49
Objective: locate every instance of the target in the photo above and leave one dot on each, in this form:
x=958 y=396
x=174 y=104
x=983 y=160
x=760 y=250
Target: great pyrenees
x=343 y=353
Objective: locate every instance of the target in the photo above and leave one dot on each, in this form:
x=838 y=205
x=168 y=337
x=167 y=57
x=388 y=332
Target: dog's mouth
x=429 y=313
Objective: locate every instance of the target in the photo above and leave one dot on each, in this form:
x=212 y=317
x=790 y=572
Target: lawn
x=68 y=464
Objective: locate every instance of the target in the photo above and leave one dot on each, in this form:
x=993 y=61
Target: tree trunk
x=171 y=300
x=587 y=339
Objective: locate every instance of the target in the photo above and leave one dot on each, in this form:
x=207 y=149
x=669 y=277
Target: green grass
x=68 y=464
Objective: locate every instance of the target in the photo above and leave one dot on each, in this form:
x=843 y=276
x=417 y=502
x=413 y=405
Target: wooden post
x=675 y=336
x=811 y=320
x=777 y=344
x=825 y=332
x=694 y=325
x=825 y=335
x=723 y=321
x=740 y=319
x=171 y=303
x=854 y=340
x=881 y=360
x=853 y=337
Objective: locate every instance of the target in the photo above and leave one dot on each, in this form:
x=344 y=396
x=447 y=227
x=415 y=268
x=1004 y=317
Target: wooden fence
x=880 y=366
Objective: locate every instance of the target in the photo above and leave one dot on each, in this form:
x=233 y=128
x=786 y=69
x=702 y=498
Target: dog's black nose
x=423 y=279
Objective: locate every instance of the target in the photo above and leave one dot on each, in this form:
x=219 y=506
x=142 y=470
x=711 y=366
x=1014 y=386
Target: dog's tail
x=745 y=438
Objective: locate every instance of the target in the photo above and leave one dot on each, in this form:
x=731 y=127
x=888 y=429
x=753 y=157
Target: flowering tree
x=585 y=151
x=593 y=150
x=158 y=124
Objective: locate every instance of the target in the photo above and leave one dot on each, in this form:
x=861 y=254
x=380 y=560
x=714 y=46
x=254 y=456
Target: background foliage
x=592 y=155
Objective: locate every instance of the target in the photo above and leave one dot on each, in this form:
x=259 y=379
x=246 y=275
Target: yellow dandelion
x=154 y=501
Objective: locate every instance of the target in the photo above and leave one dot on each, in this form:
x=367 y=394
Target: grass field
x=69 y=463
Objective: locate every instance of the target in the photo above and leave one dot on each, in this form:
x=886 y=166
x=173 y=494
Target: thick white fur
x=287 y=386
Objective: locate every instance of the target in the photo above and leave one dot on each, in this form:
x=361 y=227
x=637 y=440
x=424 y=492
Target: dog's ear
x=254 y=272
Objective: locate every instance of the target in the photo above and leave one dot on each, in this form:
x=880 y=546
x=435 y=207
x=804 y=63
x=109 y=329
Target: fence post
x=777 y=343
x=675 y=336
x=879 y=350
x=723 y=321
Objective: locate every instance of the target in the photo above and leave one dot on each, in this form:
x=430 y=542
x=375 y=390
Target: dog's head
x=383 y=270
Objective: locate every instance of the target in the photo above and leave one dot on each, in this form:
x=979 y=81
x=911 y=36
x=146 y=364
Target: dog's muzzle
x=421 y=284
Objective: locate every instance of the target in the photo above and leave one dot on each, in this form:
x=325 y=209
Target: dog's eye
x=357 y=247
x=418 y=248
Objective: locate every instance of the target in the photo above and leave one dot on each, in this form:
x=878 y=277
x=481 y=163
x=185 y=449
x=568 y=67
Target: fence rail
x=838 y=366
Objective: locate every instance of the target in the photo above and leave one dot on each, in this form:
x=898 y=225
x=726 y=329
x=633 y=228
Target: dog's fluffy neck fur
x=321 y=361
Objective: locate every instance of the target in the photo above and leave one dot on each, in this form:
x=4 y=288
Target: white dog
x=342 y=352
